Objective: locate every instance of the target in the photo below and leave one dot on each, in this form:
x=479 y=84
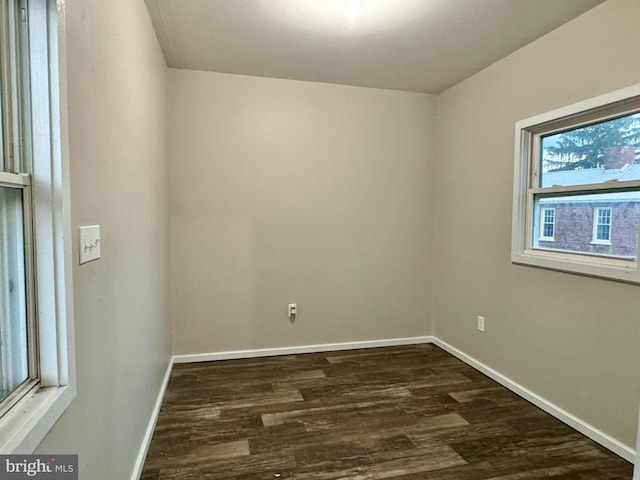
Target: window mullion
x=534 y=166
x=530 y=221
x=607 y=187
x=30 y=269
x=13 y=179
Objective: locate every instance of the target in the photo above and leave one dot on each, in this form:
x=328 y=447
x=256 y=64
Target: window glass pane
x=13 y=312
x=5 y=99
x=593 y=154
x=595 y=224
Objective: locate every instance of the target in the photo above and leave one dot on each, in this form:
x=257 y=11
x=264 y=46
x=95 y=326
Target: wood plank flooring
x=403 y=413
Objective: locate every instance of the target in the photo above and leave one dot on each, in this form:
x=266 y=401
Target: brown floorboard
x=400 y=413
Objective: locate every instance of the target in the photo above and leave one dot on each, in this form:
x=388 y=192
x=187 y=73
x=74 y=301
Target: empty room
x=320 y=239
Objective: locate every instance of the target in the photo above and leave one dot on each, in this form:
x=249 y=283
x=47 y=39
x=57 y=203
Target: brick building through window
x=599 y=224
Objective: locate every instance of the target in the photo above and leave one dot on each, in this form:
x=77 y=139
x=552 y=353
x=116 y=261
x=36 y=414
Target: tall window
x=567 y=162
x=602 y=225
x=18 y=355
x=548 y=223
x=37 y=373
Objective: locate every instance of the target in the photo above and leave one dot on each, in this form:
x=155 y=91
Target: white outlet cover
x=89 y=243
x=481 y=323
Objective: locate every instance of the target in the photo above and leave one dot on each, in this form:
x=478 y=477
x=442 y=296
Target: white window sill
x=547 y=239
x=28 y=422
x=601 y=242
x=624 y=270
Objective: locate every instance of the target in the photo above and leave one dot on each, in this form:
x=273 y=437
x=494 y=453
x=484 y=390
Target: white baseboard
x=146 y=441
x=590 y=431
x=326 y=347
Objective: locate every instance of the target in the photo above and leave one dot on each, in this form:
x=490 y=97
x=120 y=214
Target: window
x=602 y=226
x=548 y=223
x=18 y=353
x=37 y=372
x=577 y=170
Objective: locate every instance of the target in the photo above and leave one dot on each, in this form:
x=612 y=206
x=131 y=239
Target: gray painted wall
x=297 y=192
x=571 y=339
x=118 y=158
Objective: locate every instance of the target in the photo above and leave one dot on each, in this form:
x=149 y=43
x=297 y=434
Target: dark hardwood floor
x=403 y=413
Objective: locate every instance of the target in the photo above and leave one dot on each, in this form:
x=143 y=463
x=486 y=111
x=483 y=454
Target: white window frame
x=543 y=222
x=526 y=189
x=596 y=217
x=24 y=426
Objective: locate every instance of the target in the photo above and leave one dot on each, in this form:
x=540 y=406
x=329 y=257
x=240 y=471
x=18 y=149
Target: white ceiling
x=418 y=45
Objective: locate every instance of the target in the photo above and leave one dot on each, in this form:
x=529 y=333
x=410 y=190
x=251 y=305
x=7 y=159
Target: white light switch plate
x=89 y=244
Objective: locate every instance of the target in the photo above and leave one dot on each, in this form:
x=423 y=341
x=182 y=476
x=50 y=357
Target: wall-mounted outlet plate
x=89 y=243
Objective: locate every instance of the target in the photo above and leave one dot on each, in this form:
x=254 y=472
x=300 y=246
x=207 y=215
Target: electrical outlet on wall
x=480 y=323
